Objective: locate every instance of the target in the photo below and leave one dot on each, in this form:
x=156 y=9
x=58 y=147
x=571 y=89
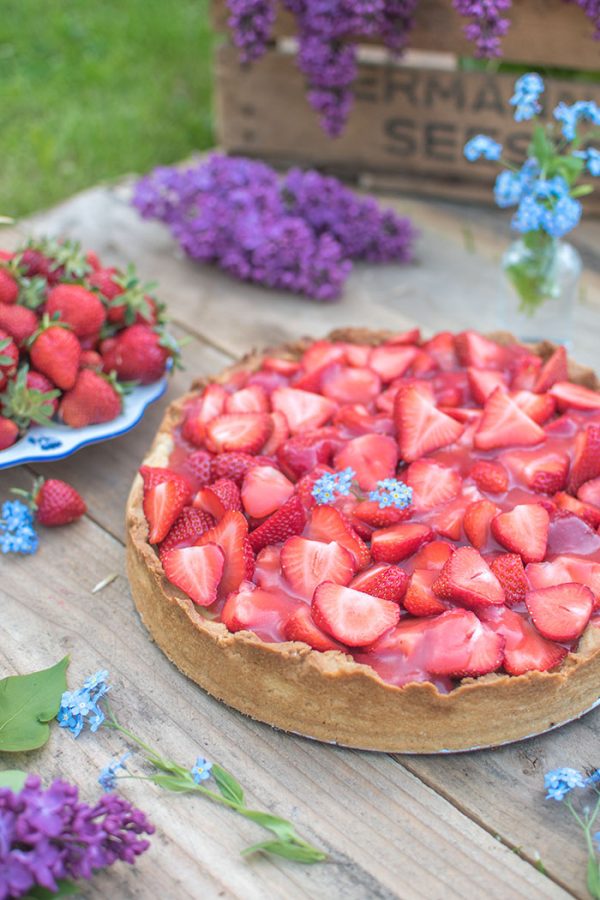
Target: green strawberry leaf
x=27 y=704
x=13 y=779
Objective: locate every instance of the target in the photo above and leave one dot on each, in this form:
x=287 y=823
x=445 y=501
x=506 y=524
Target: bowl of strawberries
x=84 y=349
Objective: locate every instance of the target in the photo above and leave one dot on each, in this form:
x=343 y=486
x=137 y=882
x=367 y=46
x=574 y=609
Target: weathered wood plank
x=418 y=120
x=400 y=839
x=564 y=40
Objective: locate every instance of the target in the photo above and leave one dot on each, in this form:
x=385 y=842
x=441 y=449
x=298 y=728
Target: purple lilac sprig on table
x=81 y=709
x=299 y=232
x=251 y=23
x=580 y=793
x=387 y=493
x=49 y=835
x=488 y=25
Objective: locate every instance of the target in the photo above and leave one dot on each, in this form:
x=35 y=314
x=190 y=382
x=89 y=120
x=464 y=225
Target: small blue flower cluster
x=81 y=706
x=570 y=116
x=528 y=90
x=591 y=158
x=17 y=534
x=391 y=492
x=108 y=776
x=332 y=485
x=483 y=146
x=201 y=770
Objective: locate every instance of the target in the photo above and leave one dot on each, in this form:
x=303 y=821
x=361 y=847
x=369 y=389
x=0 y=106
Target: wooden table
x=473 y=825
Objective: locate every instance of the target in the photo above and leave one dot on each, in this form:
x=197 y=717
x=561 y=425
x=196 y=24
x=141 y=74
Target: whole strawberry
x=78 y=307
x=57 y=503
x=95 y=398
x=29 y=398
x=138 y=353
x=9 y=432
x=18 y=321
x=9 y=357
x=9 y=287
x=55 y=352
x=104 y=281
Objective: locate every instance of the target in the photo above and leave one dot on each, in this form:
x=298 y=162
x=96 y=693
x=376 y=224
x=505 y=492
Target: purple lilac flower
x=251 y=23
x=560 y=782
x=298 y=233
x=483 y=146
x=528 y=90
x=488 y=25
x=592 y=10
x=47 y=835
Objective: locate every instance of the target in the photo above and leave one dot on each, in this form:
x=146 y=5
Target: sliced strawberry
x=387 y=582
x=344 y=384
x=585 y=511
x=370 y=513
x=484 y=382
x=267 y=572
x=490 y=477
x=448 y=520
x=289 y=520
x=421 y=427
x=555 y=369
x=504 y=424
x=475 y=350
x=354 y=419
x=467 y=579
x=373 y=457
x=546 y=574
x=306 y=564
x=221 y=496
x=561 y=612
x=477 y=520
x=328 y=524
x=190 y=524
x=230 y=534
x=523 y=530
x=249 y=399
x=459 y=645
x=279 y=434
x=264 y=490
x=391 y=361
x=539 y=407
x=524 y=648
x=286 y=367
x=231 y=465
x=358 y=355
x=165 y=495
x=302 y=453
x=423 y=364
x=508 y=569
x=254 y=609
x=543 y=471
x=197 y=468
x=196 y=571
x=432 y=484
x=433 y=556
x=202 y=411
x=589 y=492
x=352 y=617
x=322 y=353
x=303 y=410
x=575 y=396
x=245 y=432
x=419 y=599
x=525 y=373
x=586 y=458
x=443 y=350
x=399 y=541
x=412 y=336
x=301 y=627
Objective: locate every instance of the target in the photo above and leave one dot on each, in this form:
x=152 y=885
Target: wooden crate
x=411 y=118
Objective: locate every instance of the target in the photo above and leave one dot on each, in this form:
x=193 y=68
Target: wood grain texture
x=542 y=32
x=419 y=827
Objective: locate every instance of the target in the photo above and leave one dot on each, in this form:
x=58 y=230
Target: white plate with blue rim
x=46 y=443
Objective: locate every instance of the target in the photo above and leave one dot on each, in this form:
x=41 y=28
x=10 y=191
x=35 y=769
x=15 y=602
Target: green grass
x=93 y=89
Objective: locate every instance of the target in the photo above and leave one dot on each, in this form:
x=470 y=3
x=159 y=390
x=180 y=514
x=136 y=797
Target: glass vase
x=542 y=285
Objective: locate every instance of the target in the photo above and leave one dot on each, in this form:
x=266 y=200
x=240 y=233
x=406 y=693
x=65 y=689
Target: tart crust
x=328 y=696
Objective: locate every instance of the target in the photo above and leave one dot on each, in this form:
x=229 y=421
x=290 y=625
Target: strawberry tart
x=381 y=541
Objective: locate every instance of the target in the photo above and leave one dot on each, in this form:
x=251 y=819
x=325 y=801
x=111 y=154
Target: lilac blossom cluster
x=47 y=836
x=298 y=232
x=488 y=24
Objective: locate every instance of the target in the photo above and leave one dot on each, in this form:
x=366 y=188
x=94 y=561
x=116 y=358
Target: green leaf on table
x=177 y=783
x=582 y=190
x=65 y=889
x=228 y=786
x=283 y=829
x=13 y=779
x=27 y=704
x=593 y=877
x=298 y=852
x=541 y=146
x=570 y=167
